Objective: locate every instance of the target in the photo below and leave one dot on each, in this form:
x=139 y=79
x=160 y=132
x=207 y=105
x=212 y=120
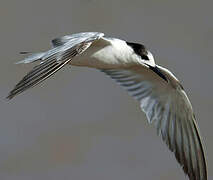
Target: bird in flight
x=161 y=95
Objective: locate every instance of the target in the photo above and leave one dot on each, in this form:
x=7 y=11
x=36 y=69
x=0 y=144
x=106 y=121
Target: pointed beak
x=156 y=70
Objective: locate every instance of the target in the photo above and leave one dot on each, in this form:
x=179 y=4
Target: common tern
x=161 y=95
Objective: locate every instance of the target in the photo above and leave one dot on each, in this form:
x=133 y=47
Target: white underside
x=106 y=53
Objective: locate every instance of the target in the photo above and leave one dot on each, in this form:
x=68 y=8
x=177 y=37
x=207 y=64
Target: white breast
x=106 y=53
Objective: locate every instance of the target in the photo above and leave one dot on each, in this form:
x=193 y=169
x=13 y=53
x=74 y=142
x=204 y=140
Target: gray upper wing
x=76 y=38
x=54 y=59
x=171 y=112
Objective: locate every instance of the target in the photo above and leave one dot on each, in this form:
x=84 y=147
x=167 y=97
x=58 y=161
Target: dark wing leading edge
x=64 y=50
x=171 y=112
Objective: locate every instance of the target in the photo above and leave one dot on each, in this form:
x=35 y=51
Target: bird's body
x=131 y=65
x=106 y=54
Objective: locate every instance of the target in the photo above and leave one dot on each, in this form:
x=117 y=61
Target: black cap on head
x=139 y=49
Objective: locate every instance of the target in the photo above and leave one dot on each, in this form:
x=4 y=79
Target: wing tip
x=9 y=97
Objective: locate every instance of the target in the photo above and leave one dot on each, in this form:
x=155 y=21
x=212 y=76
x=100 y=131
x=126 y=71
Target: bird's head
x=140 y=50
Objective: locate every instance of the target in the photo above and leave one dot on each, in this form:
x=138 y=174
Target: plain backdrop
x=81 y=125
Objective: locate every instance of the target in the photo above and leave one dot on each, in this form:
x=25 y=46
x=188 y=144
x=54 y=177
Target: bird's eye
x=145 y=57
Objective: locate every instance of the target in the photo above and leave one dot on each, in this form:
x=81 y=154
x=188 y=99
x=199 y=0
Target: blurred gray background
x=80 y=124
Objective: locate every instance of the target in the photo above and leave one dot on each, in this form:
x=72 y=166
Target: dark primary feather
x=25 y=52
x=171 y=112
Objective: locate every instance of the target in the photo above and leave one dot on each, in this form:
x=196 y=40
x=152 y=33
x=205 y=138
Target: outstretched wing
x=171 y=112
x=65 y=49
